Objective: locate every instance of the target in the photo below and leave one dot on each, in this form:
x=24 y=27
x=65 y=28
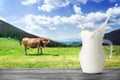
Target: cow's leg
x=38 y=50
x=25 y=50
x=41 y=50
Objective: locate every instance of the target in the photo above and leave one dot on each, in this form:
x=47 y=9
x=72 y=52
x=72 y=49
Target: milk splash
x=92 y=55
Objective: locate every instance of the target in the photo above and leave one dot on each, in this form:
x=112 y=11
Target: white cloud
x=1 y=18
x=83 y=1
x=46 y=7
x=90 y=24
x=53 y=4
x=52 y=28
x=38 y=24
x=76 y=2
x=49 y=5
x=92 y=20
x=73 y=19
x=41 y=22
x=115 y=19
x=97 y=1
x=77 y=9
x=108 y=28
x=51 y=23
x=56 y=20
x=116 y=10
x=95 y=17
x=29 y=2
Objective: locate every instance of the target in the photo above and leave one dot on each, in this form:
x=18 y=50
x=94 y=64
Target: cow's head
x=46 y=41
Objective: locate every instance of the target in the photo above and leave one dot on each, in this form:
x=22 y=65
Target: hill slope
x=8 y=30
x=113 y=36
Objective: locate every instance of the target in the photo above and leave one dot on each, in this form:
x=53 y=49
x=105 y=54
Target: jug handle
x=111 y=46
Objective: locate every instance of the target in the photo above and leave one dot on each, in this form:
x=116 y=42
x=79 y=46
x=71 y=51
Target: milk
x=92 y=56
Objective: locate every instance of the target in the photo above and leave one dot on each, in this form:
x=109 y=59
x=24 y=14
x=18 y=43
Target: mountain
x=71 y=41
x=113 y=36
x=76 y=44
x=9 y=31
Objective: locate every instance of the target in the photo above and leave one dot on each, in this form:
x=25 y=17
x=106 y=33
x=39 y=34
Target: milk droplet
x=116 y=5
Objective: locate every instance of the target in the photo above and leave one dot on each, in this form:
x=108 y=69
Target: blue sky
x=59 y=19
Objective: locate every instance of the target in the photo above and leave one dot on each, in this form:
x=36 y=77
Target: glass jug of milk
x=92 y=56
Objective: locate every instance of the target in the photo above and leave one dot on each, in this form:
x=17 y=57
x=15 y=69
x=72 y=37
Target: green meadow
x=12 y=56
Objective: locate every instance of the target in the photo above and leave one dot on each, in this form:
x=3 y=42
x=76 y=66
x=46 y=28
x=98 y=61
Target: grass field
x=12 y=56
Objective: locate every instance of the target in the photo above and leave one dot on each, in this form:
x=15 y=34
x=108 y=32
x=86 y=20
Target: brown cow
x=35 y=43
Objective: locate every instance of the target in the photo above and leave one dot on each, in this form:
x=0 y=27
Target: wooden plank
x=57 y=74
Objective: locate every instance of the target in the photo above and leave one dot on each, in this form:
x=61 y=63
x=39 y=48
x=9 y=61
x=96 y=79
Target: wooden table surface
x=57 y=74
